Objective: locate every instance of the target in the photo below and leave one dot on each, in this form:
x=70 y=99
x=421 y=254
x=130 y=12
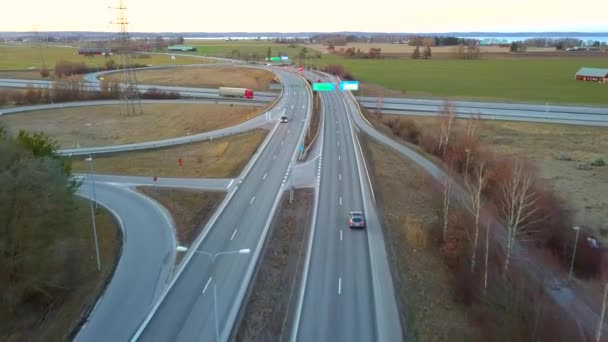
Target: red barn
x=592 y=75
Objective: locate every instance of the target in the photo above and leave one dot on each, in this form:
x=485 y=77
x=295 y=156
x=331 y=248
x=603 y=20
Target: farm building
x=181 y=48
x=592 y=75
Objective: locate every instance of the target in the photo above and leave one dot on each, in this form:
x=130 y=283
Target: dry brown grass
x=190 y=209
x=64 y=316
x=584 y=191
x=221 y=158
x=405 y=198
x=206 y=77
x=105 y=125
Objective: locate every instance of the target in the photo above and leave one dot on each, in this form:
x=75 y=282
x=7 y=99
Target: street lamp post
x=92 y=176
x=94 y=199
x=577 y=229
x=213 y=257
x=466 y=168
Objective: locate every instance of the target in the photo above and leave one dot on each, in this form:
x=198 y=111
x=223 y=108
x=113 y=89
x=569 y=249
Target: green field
x=19 y=57
x=223 y=48
x=519 y=79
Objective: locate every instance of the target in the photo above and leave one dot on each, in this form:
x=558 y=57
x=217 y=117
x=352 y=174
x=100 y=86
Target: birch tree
x=519 y=201
x=473 y=202
x=446 y=123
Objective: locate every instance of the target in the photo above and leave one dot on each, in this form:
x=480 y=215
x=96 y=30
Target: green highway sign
x=275 y=59
x=323 y=87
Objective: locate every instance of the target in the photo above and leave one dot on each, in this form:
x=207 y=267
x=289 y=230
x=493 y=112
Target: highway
x=144 y=267
x=346 y=292
x=577 y=115
x=23 y=109
x=186 y=311
x=193 y=92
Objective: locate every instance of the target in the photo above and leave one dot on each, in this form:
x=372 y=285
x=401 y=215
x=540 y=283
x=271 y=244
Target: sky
x=309 y=15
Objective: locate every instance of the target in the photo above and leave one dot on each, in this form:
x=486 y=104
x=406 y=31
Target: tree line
x=501 y=232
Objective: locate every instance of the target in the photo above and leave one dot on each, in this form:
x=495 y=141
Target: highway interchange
x=346 y=271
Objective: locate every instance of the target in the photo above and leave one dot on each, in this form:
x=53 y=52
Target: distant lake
x=514 y=39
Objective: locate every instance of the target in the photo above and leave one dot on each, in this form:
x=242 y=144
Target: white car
x=284 y=119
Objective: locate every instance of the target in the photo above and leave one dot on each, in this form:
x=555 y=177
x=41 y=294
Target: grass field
x=220 y=158
x=206 y=77
x=19 y=57
x=405 y=49
x=222 y=48
x=537 y=80
x=105 y=125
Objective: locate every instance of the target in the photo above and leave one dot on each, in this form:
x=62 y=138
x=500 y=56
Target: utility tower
x=130 y=93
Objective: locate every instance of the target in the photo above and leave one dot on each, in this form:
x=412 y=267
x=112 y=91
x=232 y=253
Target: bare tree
x=447 y=193
x=446 y=123
x=519 y=201
x=474 y=188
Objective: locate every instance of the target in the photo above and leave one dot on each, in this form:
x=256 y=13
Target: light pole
x=92 y=176
x=213 y=256
x=577 y=229
x=94 y=198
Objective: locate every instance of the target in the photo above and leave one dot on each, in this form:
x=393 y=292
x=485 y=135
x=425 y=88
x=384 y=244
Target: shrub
x=598 y=162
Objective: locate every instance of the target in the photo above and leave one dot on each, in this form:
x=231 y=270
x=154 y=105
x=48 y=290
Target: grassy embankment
x=105 y=125
x=220 y=158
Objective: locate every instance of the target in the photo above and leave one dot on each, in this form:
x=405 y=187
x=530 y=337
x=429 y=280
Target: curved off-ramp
x=143 y=270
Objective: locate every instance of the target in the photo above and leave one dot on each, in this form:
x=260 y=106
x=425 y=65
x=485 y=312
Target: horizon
x=242 y=16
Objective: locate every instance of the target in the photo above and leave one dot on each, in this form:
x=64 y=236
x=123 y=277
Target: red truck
x=236 y=92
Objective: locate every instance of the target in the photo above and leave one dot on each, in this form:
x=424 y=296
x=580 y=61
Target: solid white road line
x=340 y=285
x=230 y=184
x=266 y=174
x=252 y=198
x=340 y=234
x=233 y=234
x=206 y=285
x=340 y=200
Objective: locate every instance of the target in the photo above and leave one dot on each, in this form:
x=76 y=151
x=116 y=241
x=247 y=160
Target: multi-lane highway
x=347 y=292
x=577 y=115
x=207 y=292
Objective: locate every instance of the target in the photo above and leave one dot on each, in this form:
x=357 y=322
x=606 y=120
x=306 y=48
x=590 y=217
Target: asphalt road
x=578 y=115
x=143 y=269
x=23 y=109
x=189 y=183
x=347 y=294
x=186 y=312
x=211 y=93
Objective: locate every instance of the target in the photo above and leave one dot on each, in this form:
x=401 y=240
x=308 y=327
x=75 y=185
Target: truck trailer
x=236 y=92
